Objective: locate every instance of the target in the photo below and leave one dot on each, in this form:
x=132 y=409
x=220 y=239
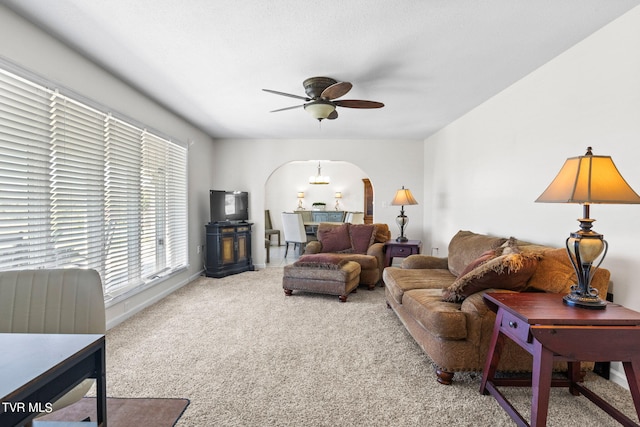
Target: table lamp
x=585 y=180
x=403 y=197
x=338 y=196
x=300 y=197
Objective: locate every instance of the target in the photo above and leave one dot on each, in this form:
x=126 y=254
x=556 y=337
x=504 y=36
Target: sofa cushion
x=466 y=246
x=335 y=239
x=510 y=271
x=362 y=236
x=556 y=274
x=367 y=262
x=399 y=280
x=442 y=319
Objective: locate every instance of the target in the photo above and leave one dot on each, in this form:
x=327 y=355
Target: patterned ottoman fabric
x=325 y=278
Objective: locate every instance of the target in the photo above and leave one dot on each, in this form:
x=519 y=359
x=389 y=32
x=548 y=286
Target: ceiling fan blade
x=287 y=94
x=287 y=108
x=336 y=90
x=333 y=115
x=358 y=103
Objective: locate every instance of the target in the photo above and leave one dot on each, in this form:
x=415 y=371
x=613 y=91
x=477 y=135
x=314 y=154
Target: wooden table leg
x=540 y=384
x=493 y=355
x=387 y=258
x=101 y=385
x=575 y=376
x=632 y=370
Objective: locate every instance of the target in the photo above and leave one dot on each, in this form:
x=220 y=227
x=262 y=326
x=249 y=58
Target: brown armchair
x=369 y=256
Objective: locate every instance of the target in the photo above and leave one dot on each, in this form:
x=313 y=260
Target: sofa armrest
x=313 y=247
x=377 y=250
x=425 y=261
x=474 y=303
x=480 y=317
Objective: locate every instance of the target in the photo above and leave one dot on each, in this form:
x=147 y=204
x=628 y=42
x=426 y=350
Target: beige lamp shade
x=403 y=197
x=589 y=179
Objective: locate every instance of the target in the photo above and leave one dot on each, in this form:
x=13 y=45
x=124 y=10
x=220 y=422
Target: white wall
x=248 y=165
x=26 y=46
x=490 y=165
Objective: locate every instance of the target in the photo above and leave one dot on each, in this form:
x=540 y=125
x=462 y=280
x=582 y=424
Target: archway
x=284 y=184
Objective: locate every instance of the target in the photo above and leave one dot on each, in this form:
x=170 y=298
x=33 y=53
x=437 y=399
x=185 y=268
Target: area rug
x=123 y=412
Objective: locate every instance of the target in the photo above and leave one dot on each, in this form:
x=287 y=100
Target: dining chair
x=268 y=227
x=356 y=218
x=294 y=232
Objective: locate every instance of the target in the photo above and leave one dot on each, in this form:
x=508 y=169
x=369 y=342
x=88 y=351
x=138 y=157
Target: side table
x=550 y=330
x=393 y=249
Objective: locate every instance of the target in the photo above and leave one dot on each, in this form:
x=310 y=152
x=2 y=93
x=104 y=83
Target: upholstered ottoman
x=332 y=278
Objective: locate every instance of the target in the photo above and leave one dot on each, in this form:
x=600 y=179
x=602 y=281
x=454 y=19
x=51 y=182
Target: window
x=82 y=188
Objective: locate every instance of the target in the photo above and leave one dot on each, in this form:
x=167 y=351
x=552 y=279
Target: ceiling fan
x=321 y=97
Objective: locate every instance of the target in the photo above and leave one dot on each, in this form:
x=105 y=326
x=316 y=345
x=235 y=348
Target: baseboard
x=134 y=309
x=617 y=375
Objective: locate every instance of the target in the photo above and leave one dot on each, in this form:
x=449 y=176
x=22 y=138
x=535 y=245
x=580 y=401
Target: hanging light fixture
x=319 y=178
x=320 y=109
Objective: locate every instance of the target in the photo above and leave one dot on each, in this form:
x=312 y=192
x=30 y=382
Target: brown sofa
x=362 y=243
x=455 y=333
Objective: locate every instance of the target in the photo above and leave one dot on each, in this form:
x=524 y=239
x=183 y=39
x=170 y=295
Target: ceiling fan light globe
x=319 y=109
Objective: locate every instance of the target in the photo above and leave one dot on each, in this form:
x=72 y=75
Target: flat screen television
x=229 y=206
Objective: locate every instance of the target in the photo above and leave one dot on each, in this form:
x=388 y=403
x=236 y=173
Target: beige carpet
x=123 y=412
x=246 y=355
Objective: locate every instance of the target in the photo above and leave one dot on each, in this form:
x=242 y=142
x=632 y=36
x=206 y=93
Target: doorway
x=291 y=180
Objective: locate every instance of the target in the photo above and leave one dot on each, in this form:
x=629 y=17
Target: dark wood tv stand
x=228 y=249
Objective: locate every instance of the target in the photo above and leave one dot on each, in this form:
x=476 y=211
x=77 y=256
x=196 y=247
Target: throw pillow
x=556 y=274
x=510 y=271
x=382 y=233
x=509 y=247
x=362 y=236
x=466 y=246
x=484 y=257
x=335 y=239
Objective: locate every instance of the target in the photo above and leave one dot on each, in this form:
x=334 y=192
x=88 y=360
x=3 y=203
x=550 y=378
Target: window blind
x=81 y=188
x=122 y=181
x=25 y=152
x=76 y=183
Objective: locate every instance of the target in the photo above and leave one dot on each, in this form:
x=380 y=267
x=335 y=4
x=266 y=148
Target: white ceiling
x=428 y=61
